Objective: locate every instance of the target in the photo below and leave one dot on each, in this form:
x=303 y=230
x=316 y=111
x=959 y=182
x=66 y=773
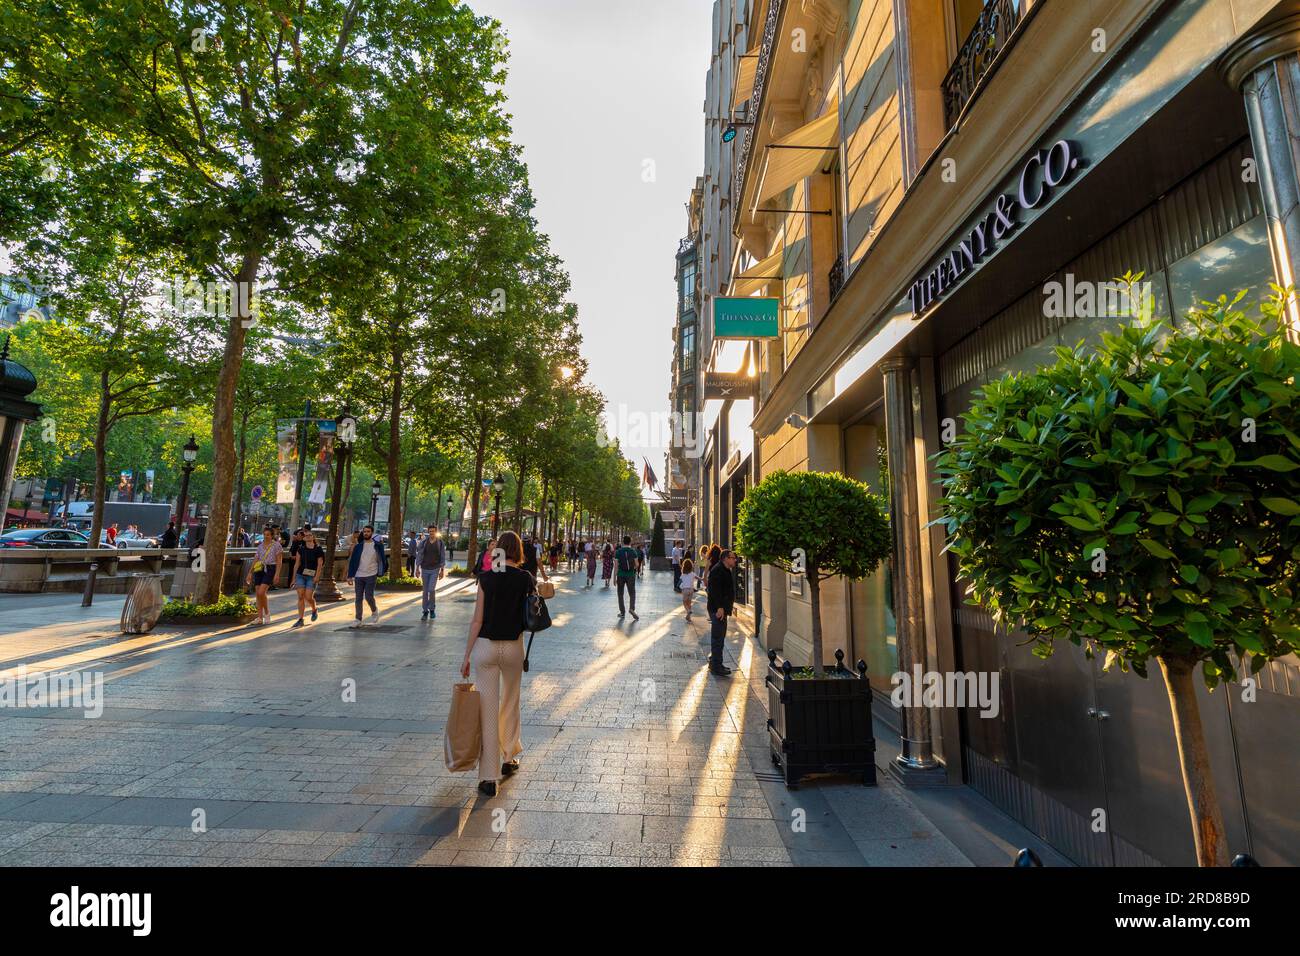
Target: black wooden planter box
x=820 y=725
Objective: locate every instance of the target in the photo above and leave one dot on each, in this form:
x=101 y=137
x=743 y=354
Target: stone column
x=915 y=765
x=1264 y=66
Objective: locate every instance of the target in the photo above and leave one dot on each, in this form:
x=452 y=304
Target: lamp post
x=346 y=432
x=498 y=486
x=189 y=454
x=375 y=489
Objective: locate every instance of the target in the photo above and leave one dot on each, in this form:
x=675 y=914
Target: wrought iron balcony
x=977 y=54
x=837 y=277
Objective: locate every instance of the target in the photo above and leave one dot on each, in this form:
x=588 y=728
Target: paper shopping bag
x=464 y=729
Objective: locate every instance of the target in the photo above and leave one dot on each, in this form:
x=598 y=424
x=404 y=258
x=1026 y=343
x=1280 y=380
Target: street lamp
x=345 y=433
x=189 y=454
x=498 y=485
x=451 y=548
x=375 y=489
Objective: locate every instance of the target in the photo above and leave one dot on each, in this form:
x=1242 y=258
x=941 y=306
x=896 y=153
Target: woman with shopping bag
x=496 y=650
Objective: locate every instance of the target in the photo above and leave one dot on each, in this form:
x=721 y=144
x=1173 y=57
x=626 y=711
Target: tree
x=1141 y=501
x=657 y=536
x=250 y=122
x=817 y=524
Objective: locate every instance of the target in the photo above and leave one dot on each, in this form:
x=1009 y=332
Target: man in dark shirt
x=722 y=599
x=628 y=562
x=431 y=561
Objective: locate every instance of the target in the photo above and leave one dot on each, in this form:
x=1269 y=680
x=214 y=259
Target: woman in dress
x=591 y=564
x=607 y=563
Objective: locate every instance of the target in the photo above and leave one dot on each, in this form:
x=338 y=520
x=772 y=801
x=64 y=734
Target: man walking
x=629 y=562
x=365 y=565
x=677 y=566
x=722 y=599
x=431 y=558
x=411 y=563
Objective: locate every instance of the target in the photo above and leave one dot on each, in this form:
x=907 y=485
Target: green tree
x=817 y=524
x=251 y=124
x=1141 y=501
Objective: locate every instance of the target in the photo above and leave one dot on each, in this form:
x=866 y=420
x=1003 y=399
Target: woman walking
x=306 y=566
x=266 y=568
x=496 y=649
x=591 y=564
x=688 y=585
x=607 y=563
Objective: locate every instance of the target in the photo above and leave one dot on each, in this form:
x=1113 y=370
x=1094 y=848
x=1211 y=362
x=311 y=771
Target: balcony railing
x=837 y=277
x=977 y=54
x=746 y=139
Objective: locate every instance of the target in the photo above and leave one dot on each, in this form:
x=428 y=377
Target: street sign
x=756 y=317
x=258 y=491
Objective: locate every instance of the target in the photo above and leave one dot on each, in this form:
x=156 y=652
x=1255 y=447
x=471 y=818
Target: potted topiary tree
x=657 y=560
x=817 y=525
x=1141 y=501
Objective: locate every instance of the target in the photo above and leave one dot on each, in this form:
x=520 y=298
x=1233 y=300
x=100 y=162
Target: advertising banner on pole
x=381 y=508
x=286 y=482
x=328 y=430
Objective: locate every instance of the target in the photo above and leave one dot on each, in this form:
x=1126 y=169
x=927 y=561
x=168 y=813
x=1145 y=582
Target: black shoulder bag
x=536 y=618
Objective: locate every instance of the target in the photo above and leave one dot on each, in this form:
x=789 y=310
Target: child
x=688 y=585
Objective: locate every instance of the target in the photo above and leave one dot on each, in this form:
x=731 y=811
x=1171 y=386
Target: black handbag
x=536 y=618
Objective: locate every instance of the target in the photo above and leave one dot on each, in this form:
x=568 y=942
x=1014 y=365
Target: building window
x=688 y=347
x=687 y=289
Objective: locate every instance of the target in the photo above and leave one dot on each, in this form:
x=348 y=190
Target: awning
x=746 y=71
x=799 y=154
x=758 y=275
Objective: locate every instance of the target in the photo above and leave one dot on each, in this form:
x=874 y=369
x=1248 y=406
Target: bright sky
x=607 y=99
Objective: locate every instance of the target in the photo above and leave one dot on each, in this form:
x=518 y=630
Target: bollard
x=88 y=595
x=1027 y=857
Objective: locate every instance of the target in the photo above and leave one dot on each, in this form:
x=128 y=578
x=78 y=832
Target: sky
x=607 y=102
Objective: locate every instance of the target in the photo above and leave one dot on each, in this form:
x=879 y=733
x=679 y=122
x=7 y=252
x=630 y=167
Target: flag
x=648 y=475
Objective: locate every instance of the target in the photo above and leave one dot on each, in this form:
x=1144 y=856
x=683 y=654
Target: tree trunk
x=345 y=519
x=1194 y=757
x=395 y=509
x=521 y=470
x=479 y=452
x=101 y=461
x=815 y=600
x=546 y=514
x=238 y=501
x=223 y=432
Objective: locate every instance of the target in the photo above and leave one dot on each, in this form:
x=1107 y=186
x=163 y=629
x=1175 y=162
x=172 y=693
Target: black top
x=504 y=594
x=722 y=589
x=309 y=558
x=530 y=558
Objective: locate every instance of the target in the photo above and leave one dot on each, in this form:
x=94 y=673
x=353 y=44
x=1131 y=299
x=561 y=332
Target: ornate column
x=915 y=765
x=1264 y=66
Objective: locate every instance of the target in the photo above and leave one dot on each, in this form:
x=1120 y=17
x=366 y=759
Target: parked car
x=44 y=538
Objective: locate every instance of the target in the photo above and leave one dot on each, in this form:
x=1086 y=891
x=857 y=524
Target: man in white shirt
x=677 y=566
x=365 y=565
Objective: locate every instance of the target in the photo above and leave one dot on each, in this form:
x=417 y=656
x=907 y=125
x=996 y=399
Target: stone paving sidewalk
x=634 y=754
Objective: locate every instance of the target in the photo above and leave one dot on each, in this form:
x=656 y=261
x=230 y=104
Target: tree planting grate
x=376 y=629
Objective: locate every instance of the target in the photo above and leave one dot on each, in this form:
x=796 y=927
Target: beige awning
x=799 y=154
x=746 y=71
x=758 y=275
